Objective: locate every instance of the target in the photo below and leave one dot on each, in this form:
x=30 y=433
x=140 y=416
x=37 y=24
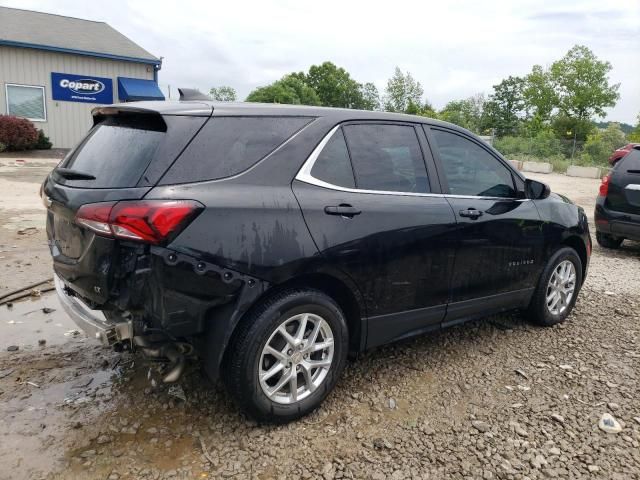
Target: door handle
x=470 y=213
x=344 y=210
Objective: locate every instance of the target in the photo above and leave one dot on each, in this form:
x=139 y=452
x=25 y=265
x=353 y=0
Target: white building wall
x=67 y=122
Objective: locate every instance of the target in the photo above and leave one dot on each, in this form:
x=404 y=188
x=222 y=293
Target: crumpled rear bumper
x=92 y=322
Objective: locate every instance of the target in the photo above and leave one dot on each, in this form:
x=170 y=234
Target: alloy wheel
x=296 y=358
x=561 y=287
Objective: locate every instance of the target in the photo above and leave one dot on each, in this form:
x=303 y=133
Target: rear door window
x=227 y=146
x=333 y=165
x=387 y=157
x=117 y=151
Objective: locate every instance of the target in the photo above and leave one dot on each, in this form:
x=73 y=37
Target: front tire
x=608 y=241
x=287 y=355
x=557 y=288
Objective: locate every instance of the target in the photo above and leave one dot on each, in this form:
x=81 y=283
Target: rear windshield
x=631 y=161
x=117 y=151
x=227 y=146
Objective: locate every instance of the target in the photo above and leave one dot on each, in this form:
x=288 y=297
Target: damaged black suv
x=270 y=241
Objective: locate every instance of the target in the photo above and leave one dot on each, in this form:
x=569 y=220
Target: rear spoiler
x=188 y=94
x=151 y=119
x=199 y=109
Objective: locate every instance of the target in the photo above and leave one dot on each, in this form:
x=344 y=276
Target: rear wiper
x=71 y=174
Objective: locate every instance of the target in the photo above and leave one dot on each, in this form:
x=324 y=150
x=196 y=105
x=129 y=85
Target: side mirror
x=535 y=190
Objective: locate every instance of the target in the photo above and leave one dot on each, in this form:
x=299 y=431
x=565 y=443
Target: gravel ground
x=496 y=398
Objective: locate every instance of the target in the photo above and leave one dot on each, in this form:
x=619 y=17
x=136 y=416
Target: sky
x=455 y=49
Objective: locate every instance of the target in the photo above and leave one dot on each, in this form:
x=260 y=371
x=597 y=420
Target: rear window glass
x=387 y=158
x=333 y=165
x=116 y=152
x=227 y=146
x=631 y=161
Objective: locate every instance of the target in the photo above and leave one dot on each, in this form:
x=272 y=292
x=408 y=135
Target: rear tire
x=557 y=288
x=608 y=241
x=275 y=369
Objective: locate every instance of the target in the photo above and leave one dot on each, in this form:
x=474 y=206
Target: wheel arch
x=214 y=345
x=577 y=244
x=346 y=296
x=338 y=288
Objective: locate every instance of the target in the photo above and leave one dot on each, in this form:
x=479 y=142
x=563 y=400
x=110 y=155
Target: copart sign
x=81 y=88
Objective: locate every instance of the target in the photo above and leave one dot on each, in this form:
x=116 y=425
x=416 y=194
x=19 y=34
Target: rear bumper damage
x=166 y=304
x=92 y=322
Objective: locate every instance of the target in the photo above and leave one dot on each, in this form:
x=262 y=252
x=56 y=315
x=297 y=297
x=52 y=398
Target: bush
x=17 y=133
x=2 y=147
x=543 y=145
x=601 y=144
x=43 y=142
x=570 y=128
x=559 y=162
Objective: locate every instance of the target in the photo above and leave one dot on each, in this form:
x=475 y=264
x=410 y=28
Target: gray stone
x=609 y=424
x=480 y=426
x=538 y=462
x=88 y=454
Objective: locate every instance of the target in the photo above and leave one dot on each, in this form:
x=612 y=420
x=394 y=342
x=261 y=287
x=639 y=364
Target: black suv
x=270 y=241
x=617 y=212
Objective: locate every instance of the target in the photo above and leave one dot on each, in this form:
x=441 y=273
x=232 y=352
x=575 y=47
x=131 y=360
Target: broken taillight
x=152 y=221
x=604 y=186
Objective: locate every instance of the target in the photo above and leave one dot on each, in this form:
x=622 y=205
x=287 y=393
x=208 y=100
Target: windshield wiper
x=70 y=174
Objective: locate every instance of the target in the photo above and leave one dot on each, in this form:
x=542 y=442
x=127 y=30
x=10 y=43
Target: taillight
x=152 y=221
x=604 y=186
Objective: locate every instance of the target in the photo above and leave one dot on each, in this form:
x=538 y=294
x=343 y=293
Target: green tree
x=601 y=143
x=290 y=89
x=370 y=97
x=571 y=128
x=429 y=111
x=334 y=86
x=402 y=92
x=466 y=113
x=582 y=84
x=223 y=94
x=634 y=136
x=505 y=106
x=540 y=98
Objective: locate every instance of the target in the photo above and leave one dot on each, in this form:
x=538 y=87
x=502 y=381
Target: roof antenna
x=187 y=94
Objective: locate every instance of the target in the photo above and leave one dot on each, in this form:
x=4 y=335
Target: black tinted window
x=333 y=164
x=631 y=161
x=229 y=145
x=116 y=152
x=470 y=169
x=387 y=157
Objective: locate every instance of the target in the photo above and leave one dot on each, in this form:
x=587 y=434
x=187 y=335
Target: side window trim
x=438 y=161
x=436 y=180
x=304 y=174
x=334 y=131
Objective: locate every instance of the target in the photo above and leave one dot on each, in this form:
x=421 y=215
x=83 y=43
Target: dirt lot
x=492 y=399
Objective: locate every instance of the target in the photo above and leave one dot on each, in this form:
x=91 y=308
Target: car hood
x=561 y=198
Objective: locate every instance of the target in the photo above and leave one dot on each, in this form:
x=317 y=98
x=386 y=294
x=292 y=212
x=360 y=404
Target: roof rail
x=187 y=94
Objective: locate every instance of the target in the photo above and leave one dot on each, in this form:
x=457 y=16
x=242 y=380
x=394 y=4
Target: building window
x=26 y=101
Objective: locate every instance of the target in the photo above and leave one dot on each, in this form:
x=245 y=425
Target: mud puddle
x=30 y=323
